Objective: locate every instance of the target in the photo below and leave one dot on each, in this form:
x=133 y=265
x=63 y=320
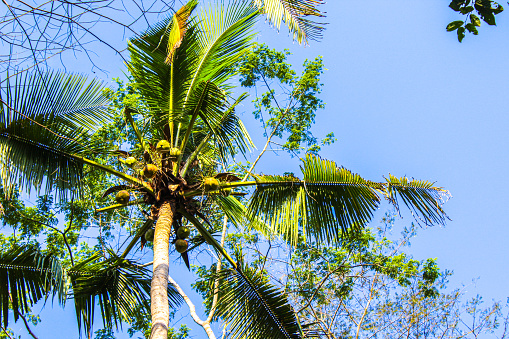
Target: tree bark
x=159 y=289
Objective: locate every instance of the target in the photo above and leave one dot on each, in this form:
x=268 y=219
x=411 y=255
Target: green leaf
x=497 y=9
x=471 y=28
x=456 y=4
x=474 y=19
x=489 y=19
x=295 y=14
x=254 y=308
x=44 y=118
x=466 y=10
x=330 y=201
x=454 y=25
x=422 y=198
x=461 y=33
x=179 y=28
x=117 y=285
x=26 y=276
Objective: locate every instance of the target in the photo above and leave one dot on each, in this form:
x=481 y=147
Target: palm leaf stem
x=171 y=124
x=118 y=174
x=227 y=185
x=178 y=133
x=130 y=119
x=208 y=237
x=117 y=206
x=140 y=232
x=190 y=126
x=195 y=154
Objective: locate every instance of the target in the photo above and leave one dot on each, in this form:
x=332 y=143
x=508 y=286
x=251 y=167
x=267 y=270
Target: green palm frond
x=254 y=308
x=329 y=201
x=248 y=302
x=178 y=29
x=211 y=45
x=225 y=32
x=116 y=284
x=295 y=14
x=43 y=119
x=237 y=214
x=26 y=276
x=421 y=197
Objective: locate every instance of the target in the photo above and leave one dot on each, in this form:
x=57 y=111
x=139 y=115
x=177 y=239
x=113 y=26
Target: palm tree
x=181 y=67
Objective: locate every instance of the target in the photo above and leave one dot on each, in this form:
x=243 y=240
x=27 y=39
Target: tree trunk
x=159 y=307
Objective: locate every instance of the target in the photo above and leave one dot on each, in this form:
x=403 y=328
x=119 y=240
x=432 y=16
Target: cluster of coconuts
x=164 y=146
x=181 y=244
x=150 y=170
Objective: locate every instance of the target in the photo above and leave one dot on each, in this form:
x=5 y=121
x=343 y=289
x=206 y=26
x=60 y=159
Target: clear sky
x=405 y=97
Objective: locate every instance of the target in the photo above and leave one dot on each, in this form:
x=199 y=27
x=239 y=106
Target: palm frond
x=116 y=284
x=153 y=75
x=295 y=14
x=43 y=119
x=237 y=214
x=253 y=307
x=179 y=28
x=421 y=197
x=224 y=33
x=330 y=201
x=26 y=276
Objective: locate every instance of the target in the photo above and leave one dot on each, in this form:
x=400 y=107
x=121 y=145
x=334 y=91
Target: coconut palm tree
x=182 y=67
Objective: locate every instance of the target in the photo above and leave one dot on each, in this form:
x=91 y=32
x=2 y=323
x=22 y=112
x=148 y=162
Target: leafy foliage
x=26 y=276
x=485 y=9
x=118 y=285
x=329 y=201
x=253 y=307
x=293 y=118
x=295 y=14
x=44 y=119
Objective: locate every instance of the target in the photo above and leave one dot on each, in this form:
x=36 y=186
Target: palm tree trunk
x=158 y=292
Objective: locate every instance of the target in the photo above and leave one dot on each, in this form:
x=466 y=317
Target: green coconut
x=183 y=232
x=122 y=197
x=210 y=184
x=174 y=153
x=130 y=161
x=150 y=170
x=181 y=245
x=149 y=235
x=163 y=146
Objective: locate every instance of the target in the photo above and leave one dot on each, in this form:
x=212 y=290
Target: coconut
x=174 y=153
x=122 y=197
x=210 y=184
x=183 y=232
x=181 y=245
x=149 y=235
x=163 y=146
x=150 y=170
x=130 y=161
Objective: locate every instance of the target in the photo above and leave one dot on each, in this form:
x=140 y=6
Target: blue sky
x=404 y=97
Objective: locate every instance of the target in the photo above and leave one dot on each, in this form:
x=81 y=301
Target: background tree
x=367 y=287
